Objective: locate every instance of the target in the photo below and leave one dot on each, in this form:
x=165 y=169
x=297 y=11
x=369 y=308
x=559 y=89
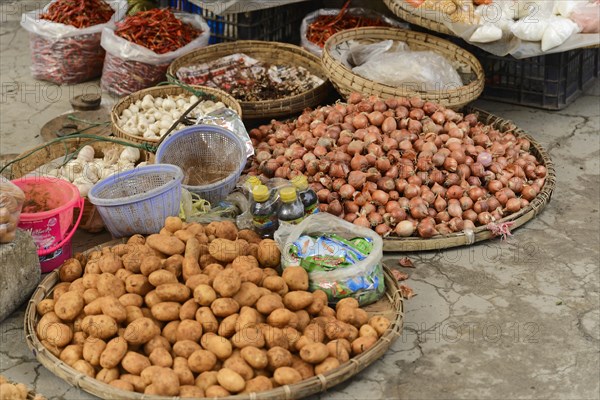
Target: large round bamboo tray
x=271 y=52
x=346 y=82
x=482 y=233
x=90 y=220
x=428 y=19
x=158 y=91
x=390 y=306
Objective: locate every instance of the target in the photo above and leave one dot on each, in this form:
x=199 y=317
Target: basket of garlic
x=145 y=116
x=89 y=161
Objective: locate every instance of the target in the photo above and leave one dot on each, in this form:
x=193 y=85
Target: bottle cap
x=260 y=193
x=288 y=194
x=253 y=181
x=300 y=182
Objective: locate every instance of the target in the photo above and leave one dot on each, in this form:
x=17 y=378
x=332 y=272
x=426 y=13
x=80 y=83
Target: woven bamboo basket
x=390 y=306
x=91 y=220
x=270 y=52
x=428 y=19
x=346 y=82
x=158 y=91
x=482 y=233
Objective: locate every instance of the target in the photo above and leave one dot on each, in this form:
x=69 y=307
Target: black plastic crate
x=278 y=24
x=551 y=82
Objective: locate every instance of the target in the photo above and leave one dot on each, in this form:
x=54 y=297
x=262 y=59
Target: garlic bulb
x=86 y=153
x=83 y=185
x=72 y=169
x=111 y=156
x=130 y=154
x=108 y=171
x=90 y=172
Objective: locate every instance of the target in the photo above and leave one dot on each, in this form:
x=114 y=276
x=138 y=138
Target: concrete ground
x=518 y=319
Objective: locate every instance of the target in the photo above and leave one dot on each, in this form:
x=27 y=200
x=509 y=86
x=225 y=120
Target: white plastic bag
x=587 y=16
x=129 y=67
x=486 y=33
x=362 y=12
x=558 y=31
x=530 y=31
x=63 y=53
x=364 y=280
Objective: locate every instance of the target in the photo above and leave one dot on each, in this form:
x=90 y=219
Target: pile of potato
x=198 y=311
x=15 y=391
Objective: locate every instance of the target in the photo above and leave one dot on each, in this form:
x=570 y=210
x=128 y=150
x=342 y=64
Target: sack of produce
x=141 y=48
x=11 y=202
x=64 y=38
x=342 y=259
x=319 y=25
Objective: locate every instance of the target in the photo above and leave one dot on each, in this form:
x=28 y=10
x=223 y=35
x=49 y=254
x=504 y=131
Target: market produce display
x=16 y=391
x=402 y=166
x=79 y=13
x=195 y=311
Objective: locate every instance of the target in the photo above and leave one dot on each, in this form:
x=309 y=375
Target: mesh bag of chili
x=140 y=50
x=69 y=51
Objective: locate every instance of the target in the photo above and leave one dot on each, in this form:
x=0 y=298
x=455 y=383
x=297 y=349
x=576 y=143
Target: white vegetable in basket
x=130 y=154
x=90 y=172
x=86 y=153
x=108 y=171
x=147 y=102
x=72 y=169
x=83 y=185
x=168 y=104
x=558 y=31
x=150 y=134
x=111 y=156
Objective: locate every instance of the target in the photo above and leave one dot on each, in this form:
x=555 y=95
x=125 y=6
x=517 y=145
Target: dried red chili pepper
x=79 y=13
x=121 y=77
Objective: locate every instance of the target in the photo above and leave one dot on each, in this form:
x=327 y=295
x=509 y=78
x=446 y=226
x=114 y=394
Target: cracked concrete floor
x=498 y=320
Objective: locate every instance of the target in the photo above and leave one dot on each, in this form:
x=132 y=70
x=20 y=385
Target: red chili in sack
x=79 y=13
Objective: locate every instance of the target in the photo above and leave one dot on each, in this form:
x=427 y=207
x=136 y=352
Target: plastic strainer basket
x=212 y=159
x=138 y=200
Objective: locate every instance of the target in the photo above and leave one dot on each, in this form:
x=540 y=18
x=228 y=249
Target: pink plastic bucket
x=48 y=215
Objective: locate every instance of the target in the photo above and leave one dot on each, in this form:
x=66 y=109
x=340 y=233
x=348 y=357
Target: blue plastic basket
x=138 y=200
x=212 y=159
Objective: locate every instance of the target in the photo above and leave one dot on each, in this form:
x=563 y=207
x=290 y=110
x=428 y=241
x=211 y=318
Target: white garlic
x=168 y=105
x=126 y=113
x=158 y=102
x=143 y=164
x=155 y=127
x=162 y=132
x=165 y=123
x=108 y=171
x=86 y=154
x=130 y=154
x=194 y=99
x=83 y=185
x=180 y=103
x=90 y=172
x=134 y=108
x=149 y=134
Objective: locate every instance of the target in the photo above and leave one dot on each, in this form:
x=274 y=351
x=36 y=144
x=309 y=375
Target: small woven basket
x=158 y=91
x=212 y=159
x=346 y=82
x=273 y=53
x=421 y=17
x=138 y=200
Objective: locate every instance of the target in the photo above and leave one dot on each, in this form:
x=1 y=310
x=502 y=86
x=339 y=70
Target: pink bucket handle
x=70 y=235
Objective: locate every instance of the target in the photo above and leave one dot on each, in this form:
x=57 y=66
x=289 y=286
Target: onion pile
x=401 y=166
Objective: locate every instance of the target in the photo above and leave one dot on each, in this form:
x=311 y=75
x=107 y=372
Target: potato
x=190 y=391
x=207 y=259
x=292 y=335
x=92 y=349
x=136 y=239
x=58 y=334
x=151 y=299
x=123 y=274
x=70 y=270
x=45 y=322
x=188 y=310
x=181 y=368
x=347 y=302
x=173 y=224
x=363 y=344
x=121 y=384
x=216 y=391
x=185 y=348
x=223 y=307
x=149 y=265
x=161 y=357
x=162 y=277
x=141 y=331
x=278 y=357
x=249 y=236
x=174 y=264
x=173 y=292
x=380 y=324
x=218 y=345
x=110 y=263
x=319 y=301
x=282 y=317
x=227 y=283
x=89 y=295
x=200 y=279
x=237 y=364
x=252 y=250
x=212 y=270
x=45 y=306
x=231 y=380
x=170 y=331
x=202 y=360
x=204 y=295
x=166 y=382
x=134 y=362
x=327 y=312
x=189 y=329
x=244 y=263
x=258 y=384
x=286 y=376
x=136 y=381
x=247 y=295
x=190 y=265
x=207 y=319
x=248 y=317
x=113 y=308
x=206 y=379
x=195 y=228
x=269 y=303
x=184 y=235
x=226 y=250
x=248 y=337
x=303 y=319
x=113 y=353
x=296 y=278
x=226 y=230
x=155 y=342
x=90 y=281
x=254 y=275
x=110 y=285
x=77 y=286
x=78 y=338
x=339 y=350
x=327 y=365
x=85 y=368
x=302 y=341
x=168 y=245
x=68 y=306
x=305 y=369
x=71 y=353
x=269 y=255
x=255 y=357
x=150 y=373
x=107 y=375
x=166 y=311
x=345 y=314
x=94 y=307
x=55 y=350
x=361 y=317
x=275 y=284
x=314 y=353
x=297 y=300
x=92 y=267
x=367 y=330
x=274 y=337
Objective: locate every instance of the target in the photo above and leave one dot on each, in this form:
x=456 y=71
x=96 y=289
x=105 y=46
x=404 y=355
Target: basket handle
x=69 y=235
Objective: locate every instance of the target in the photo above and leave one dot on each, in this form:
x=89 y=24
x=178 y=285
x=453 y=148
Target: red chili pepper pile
x=157 y=29
x=121 y=77
x=79 y=13
x=325 y=26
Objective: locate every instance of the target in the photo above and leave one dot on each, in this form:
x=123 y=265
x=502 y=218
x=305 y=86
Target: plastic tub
x=211 y=157
x=138 y=200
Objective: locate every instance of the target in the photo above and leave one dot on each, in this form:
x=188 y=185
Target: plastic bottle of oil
x=308 y=197
x=291 y=210
x=264 y=211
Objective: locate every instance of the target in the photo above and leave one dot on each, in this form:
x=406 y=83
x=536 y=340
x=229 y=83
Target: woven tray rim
x=345 y=81
x=398 y=244
x=400 y=9
x=265 y=108
x=305 y=388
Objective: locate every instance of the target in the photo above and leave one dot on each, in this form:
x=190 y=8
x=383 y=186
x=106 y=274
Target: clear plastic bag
x=63 y=53
x=359 y=12
x=362 y=281
x=558 y=31
x=129 y=67
x=586 y=16
x=11 y=203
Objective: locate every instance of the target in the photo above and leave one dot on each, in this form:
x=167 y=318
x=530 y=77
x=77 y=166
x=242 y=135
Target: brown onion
x=454 y=192
x=404 y=228
x=465 y=203
x=485 y=218
x=362 y=221
x=380 y=197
